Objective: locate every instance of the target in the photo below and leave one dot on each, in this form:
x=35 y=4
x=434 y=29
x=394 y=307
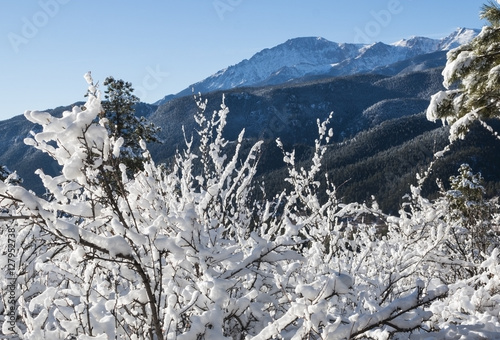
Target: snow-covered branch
x=185 y=252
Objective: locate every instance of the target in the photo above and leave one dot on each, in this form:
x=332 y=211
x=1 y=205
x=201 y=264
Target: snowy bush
x=185 y=253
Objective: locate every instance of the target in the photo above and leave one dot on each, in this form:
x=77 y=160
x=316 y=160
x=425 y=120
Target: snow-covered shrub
x=185 y=253
x=472 y=308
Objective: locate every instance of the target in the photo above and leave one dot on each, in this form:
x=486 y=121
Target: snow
x=436 y=100
x=68 y=230
x=117 y=146
x=190 y=250
x=461 y=36
x=460 y=125
x=288 y=60
x=454 y=68
x=493 y=77
x=114 y=245
x=88 y=78
x=325 y=286
x=418 y=45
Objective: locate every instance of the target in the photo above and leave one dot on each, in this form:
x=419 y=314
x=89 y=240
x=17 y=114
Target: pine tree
x=122 y=123
x=471 y=79
x=469 y=214
x=466 y=197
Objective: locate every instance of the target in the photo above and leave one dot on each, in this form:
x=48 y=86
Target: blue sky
x=164 y=46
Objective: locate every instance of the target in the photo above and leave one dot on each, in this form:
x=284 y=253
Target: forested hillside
x=381 y=138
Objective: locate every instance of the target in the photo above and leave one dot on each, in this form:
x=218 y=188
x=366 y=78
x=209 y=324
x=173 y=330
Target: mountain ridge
x=316 y=56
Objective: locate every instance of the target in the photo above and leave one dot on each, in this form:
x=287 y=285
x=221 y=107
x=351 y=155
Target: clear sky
x=164 y=46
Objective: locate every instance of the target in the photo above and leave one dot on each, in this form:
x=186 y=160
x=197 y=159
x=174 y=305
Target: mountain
x=314 y=56
x=288 y=111
x=459 y=37
x=381 y=136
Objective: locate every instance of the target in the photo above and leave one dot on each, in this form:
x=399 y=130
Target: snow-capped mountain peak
x=311 y=56
x=459 y=37
x=421 y=44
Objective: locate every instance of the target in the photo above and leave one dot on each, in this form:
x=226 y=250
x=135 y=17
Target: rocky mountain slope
x=313 y=56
